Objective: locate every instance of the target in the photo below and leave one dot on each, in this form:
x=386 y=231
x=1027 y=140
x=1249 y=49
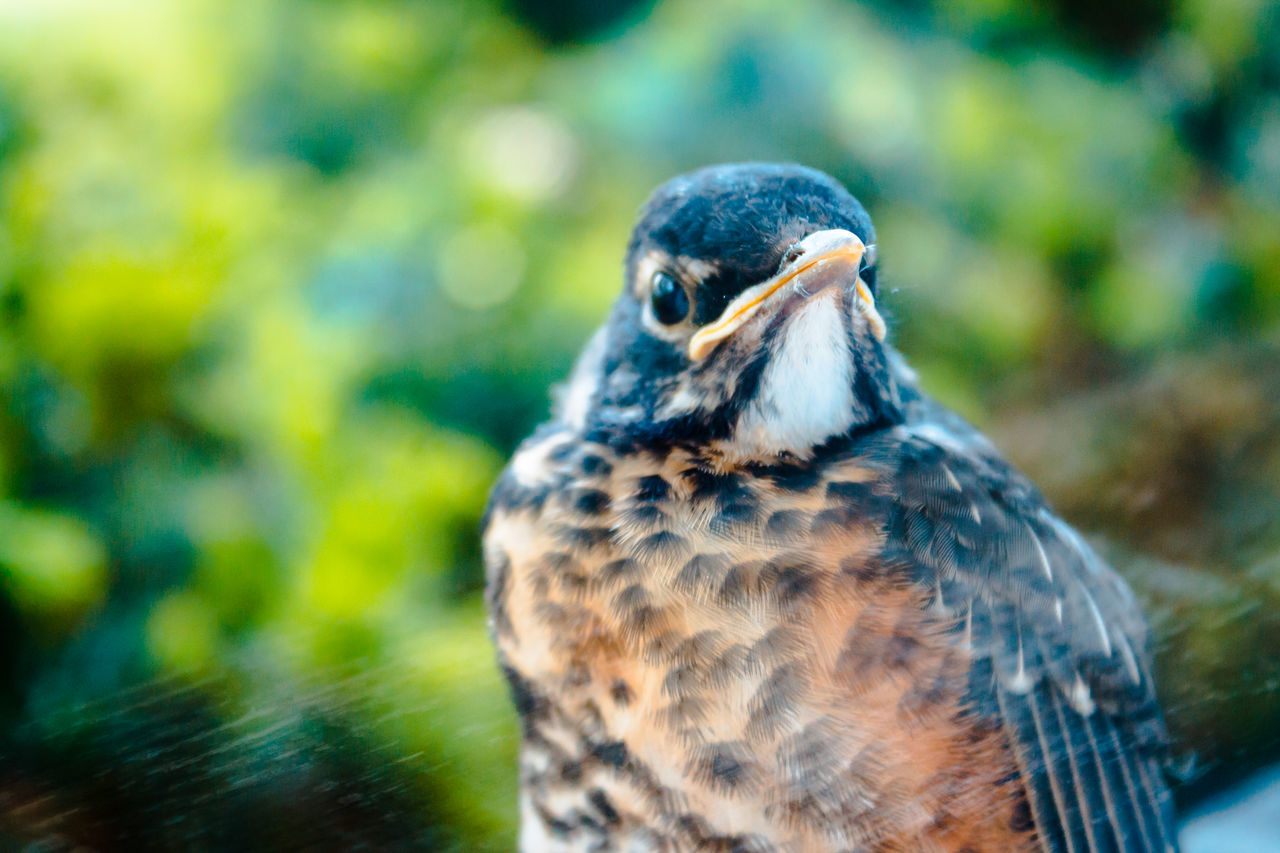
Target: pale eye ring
x=669 y=301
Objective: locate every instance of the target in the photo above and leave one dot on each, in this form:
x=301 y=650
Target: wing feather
x=1086 y=781
x=1125 y=809
x=1027 y=738
x=1059 y=645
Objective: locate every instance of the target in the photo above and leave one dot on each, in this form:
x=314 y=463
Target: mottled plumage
x=754 y=591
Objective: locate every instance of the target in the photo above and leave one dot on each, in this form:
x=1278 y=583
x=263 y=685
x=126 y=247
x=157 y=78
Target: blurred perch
x=1182 y=465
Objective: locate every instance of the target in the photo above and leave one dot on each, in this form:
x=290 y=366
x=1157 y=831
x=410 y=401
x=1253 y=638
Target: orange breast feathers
x=759 y=665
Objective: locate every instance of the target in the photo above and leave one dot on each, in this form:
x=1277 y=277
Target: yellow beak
x=824 y=259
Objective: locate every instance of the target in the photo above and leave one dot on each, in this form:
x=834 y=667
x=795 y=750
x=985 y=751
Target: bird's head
x=747 y=319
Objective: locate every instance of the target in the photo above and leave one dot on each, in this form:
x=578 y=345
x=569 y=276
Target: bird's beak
x=823 y=259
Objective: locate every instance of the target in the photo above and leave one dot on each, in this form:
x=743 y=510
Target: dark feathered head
x=747 y=319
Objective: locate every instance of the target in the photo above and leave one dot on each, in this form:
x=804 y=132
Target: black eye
x=670 y=302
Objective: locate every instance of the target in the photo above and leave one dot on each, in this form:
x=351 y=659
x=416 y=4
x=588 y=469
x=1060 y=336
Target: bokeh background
x=283 y=282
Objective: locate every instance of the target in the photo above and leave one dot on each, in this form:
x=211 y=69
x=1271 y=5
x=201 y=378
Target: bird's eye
x=670 y=302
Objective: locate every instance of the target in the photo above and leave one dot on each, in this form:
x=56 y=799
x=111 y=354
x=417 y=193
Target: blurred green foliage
x=282 y=282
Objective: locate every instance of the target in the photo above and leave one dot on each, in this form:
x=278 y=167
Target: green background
x=282 y=284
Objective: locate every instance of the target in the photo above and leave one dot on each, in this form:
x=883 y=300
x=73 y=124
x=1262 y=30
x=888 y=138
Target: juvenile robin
x=754 y=590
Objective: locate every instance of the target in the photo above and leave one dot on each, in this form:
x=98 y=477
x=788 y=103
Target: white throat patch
x=806 y=390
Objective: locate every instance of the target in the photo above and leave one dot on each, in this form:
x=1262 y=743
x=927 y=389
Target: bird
x=753 y=589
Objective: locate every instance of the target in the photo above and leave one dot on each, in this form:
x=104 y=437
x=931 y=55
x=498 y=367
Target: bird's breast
x=725 y=644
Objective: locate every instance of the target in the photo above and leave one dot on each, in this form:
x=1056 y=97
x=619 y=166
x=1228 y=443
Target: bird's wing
x=1059 y=645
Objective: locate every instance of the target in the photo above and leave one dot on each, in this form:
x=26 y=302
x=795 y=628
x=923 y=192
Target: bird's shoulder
x=1033 y=595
